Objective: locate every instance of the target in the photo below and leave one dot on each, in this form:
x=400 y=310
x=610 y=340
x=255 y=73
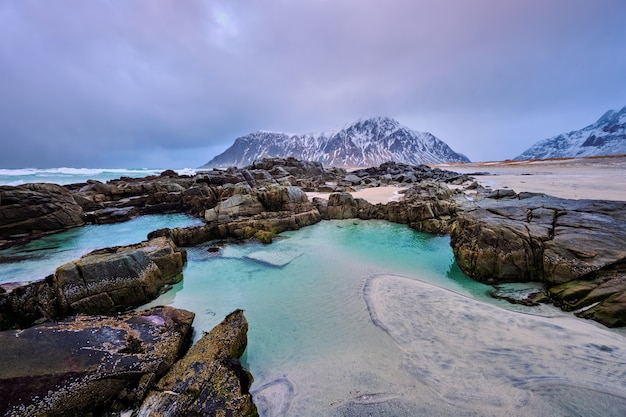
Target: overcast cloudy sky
x=171 y=83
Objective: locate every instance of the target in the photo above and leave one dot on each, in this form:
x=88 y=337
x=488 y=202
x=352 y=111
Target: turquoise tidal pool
x=40 y=257
x=360 y=318
x=370 y=318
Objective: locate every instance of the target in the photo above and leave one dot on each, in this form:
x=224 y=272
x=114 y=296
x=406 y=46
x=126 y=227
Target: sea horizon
x=71 y=175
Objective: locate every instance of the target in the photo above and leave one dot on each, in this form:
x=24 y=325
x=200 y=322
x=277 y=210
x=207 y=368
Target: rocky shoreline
x=572 y=247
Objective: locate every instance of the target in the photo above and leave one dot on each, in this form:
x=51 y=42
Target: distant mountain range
x=368 y=142
x=607 y=136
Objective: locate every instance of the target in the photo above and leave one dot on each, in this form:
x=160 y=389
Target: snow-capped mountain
x=607 y=136
x=368 y=142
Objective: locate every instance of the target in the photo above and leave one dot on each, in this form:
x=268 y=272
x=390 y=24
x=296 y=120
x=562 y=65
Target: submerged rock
x=88 y=363
x=209 y=380
x=520 y=294
x=274 y=258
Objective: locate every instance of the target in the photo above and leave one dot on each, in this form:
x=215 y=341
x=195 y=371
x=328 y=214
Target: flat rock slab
x=89 y=362
x=277 y=259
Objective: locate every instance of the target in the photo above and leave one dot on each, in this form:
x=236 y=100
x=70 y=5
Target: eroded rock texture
x=575 y=247
x=102 y=282
x=36 y=208
x=209 y=380
x=89 y=363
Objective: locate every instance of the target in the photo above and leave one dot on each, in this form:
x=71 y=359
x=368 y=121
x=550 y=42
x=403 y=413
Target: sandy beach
x=602 y=178
x=598 y=178
x=376 y=195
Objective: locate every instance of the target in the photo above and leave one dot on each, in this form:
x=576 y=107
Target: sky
x=172 y=83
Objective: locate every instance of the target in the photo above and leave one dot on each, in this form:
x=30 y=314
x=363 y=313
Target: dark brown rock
x=88 y=363
x=102 y=282
x=209 y=379
x=426 y=207
x=29 y=208
x=575 y=247
x=602 y=298
x=539 y=238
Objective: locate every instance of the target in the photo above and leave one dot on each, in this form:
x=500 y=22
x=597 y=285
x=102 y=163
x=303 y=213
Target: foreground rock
x=574 y=247
x=209 y=380
x=104 y=281
x=35 y=208
x=88 y=364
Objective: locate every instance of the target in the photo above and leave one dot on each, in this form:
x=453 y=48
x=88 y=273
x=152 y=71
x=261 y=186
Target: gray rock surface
x=539 y=238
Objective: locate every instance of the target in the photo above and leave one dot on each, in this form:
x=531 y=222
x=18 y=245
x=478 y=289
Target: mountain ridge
x=605 y=137
x=366 y=142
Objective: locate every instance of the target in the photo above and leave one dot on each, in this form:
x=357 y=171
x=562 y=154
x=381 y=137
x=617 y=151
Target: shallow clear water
x=354 y=318
x=371 y=318
x=38 y=258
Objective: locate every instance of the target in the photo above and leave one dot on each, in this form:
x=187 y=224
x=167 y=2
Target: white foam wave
x=67 y=175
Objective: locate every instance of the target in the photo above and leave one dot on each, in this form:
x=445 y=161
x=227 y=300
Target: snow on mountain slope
x=368 y=142
x=607 y=136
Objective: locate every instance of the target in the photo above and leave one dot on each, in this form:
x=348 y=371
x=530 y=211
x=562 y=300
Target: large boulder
x=575 y=247
x=89 y=364
x=104 y=281
x=539 y=238
x=342 y=205
x=245 y=201
x=262 y=226
x=209 y=380
x=239 y=205
x=283 y=198
x=428 y=207
x=29 y=208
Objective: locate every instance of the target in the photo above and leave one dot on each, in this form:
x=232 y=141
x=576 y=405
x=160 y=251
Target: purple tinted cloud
x=169 y=83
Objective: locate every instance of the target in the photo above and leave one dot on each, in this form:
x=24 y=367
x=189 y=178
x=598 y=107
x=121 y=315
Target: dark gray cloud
x=172 y=83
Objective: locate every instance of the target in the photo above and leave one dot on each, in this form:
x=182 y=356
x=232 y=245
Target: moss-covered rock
x=209 y=379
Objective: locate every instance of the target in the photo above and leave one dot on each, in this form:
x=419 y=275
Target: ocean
x=359 y=318
x=65 y=176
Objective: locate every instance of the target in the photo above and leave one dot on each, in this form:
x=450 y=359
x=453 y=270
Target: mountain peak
x=607 y=136
x=379 y=120
x=366 y=142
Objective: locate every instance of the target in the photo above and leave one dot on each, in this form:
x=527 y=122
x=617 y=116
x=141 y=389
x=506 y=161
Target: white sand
x=373 y=195
x=581 y=178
